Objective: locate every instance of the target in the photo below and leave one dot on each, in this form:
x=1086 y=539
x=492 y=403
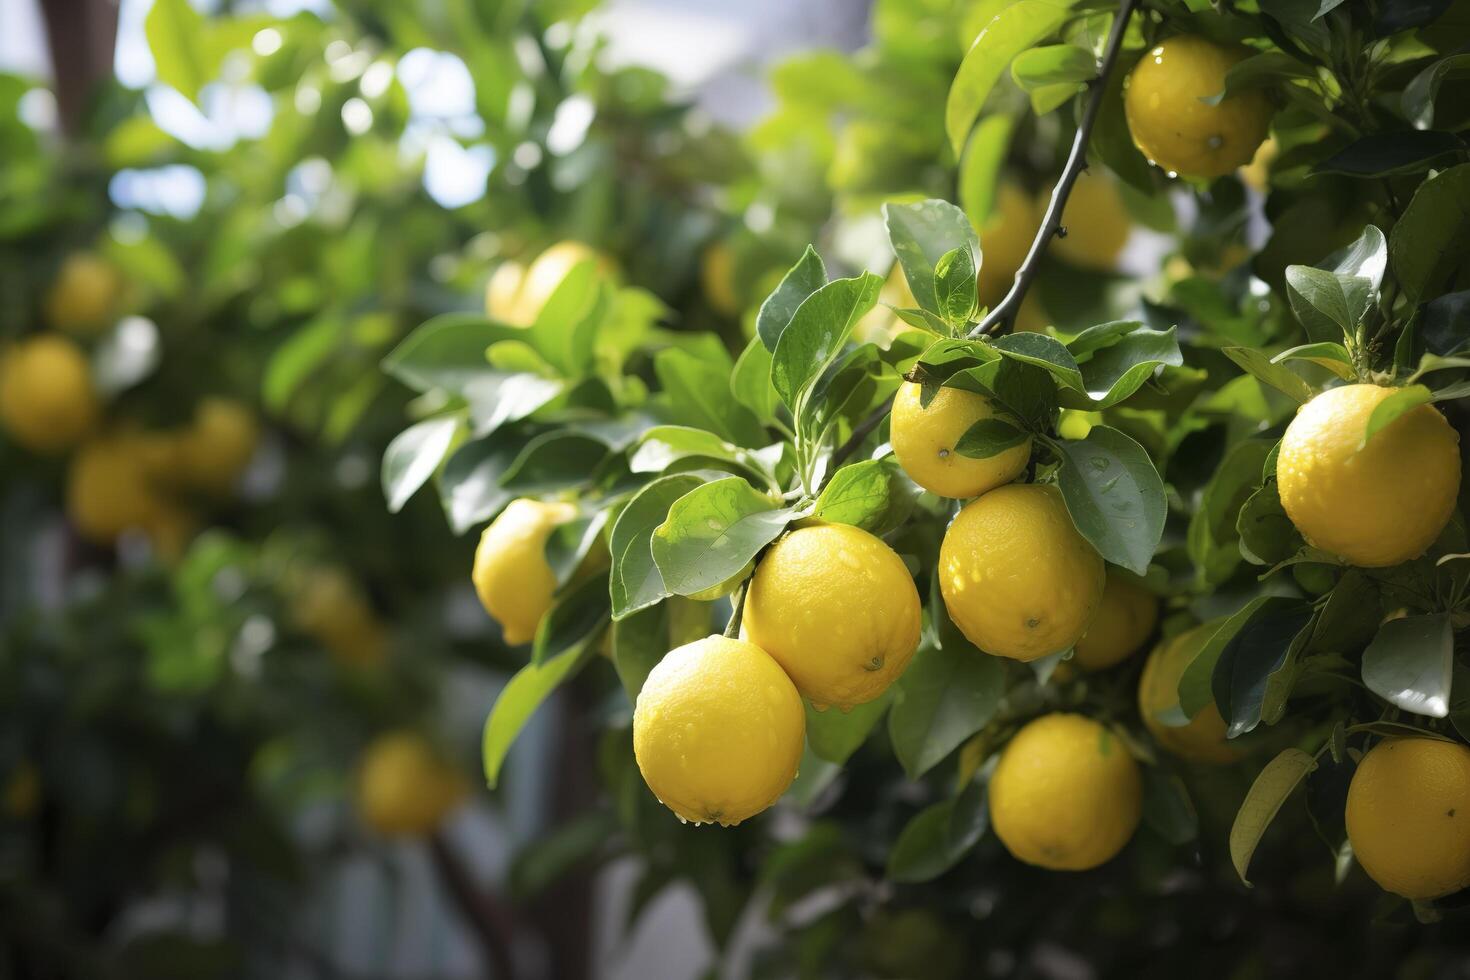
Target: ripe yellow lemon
x=1005 y=239
x=1098 y=226
x=717 y=277
x=501 y=291
x=1408 y=816
x=1174 y=128
x=1257 y=174
x=108 y=490
x=404 y=788
x=718 y=730
x=47 y=402
x=511 y=575
x=1124 y=620
x=218 y=445
x=516 y=297
x=837 y=609
x=1377 y=505
x=1203 y=739
x=328 y=605
x=924 y=441
x=1017 y=577
x=84 y=297
x=1066 y=795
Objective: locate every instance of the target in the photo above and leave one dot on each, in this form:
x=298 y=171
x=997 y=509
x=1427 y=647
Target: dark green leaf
x=939 y=836
x=990 y=437
x=699 y=393
x=1246 y=662
x=835 y=735
x=1114 y=494
x=446 y=352
x=639 y=642
x=413 y=456
x=1167 y=807
x=1428 y=243
x=469 y=485
x=577 y=618
x=1044 y=352
x=1410 y=151
x=1419 y=94
x=555 y=460
x=1116 y=371
x=1410 y=664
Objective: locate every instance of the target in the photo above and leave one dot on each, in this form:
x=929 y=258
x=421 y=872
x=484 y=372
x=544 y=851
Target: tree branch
x=859 y=433
x=491 y=923
x=1005 y=311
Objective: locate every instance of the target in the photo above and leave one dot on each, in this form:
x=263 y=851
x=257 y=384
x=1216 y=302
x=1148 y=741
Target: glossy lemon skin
x=84 y=297
x=924 y=439
x=718 y=730
x=403 y=788
x=1177 y=131
x=47 y=401
x=1098 y=226
x=837 y=609
x=1065 y=795
x=109 y=489
x=1017 y=577
x=1408 y=816
x=512 y=577
x=1203 y=739
x=1125 y=618
x=1377 y=505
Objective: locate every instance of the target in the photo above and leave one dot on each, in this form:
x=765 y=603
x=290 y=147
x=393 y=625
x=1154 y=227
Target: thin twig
x=490 y=922
x=1005 y=311
x=859 y=433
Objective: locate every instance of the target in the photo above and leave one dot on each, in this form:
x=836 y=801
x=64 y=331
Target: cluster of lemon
x=120 y=477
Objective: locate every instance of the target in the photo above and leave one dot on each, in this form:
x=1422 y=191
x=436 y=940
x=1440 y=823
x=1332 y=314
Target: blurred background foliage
x=186 y=703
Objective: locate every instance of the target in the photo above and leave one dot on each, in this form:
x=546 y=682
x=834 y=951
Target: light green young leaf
x=1333 y=356
x=1328 y=304
x=817 y=333
x=990 y=437
x=751 y=381
x=413 y=456
x=804 y=278
x=1278 y=376
x=954 y=285
x=1116 y=371
x=699 y=392
x=174 y=30
x=447 y=352
x=1387 y=411
x=922 y=233
x=835 y=735
x=714 y=531
x=859 y=494
x=518 y=701
x=1053 y=64
x=1270 y=790
x=635 y=582
x=980 y=167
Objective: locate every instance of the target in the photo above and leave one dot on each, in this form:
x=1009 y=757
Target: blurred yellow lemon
x=1065 y=795
x=837 y=609
x=519 y=303
x=1017 y=577
x=1203 y=739
x=108 y=489
x=329 y=606
x=214 y=451
x=1124 y=620
x=1098 y=226
x=1373 y=505
x=85 y=294
x=47 y=402
x=924 y=440
x=717 y=277
x=1005 y=239
x=404 y=789
x=718 y=731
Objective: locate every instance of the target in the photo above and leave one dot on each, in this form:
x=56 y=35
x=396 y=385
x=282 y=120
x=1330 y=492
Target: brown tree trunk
x=81 y=35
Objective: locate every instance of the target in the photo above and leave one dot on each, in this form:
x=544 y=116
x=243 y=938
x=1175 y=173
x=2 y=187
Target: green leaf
x=413 y=456
x=980 y=167
x=1213 y=540
x=1015 y=28
x=1269 y=791
x=1391 y=154
x=557 y=460
x=1427 y=247
x=1445 y=324
x=518 y=701
x=1260 y=70
x=859 y=494
x=664 y=445
x=1260 y=648
x=835 y=735
x=1387 y=411
x=1197 y=680
x=1278 y=376
x=1167 y=808
x=1053 y=64
x=751 y=381
x=1334 y=357
x=1410 y=663
x=497 y=399
x=447 y=352
x=922 y=233
x=469 y=485
x=565 y=329
x=635 y=582
x=954 y=286
x=1114 y=494
x=804 y=278
x=639 y=642
x=174 y=30
x=990 y=437
x=1419 y=94
x=939 y=836
x=1328 y=304
x=1267 y=535
x=699 y=393
x=1044 y=352
x=576 y=619
x=1114 y=372
x=818 y=332
x=714 y=531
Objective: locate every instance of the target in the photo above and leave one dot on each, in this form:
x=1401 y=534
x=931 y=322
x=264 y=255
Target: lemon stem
x=1005 y=310
x=732 y=628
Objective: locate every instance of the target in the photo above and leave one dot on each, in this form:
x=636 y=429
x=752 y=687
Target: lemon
x=1377 y=505
x=1016 y=576
x=1065 y=795
x=47 y=402
x=1408 y=816
x=84 y=297
x=511 y=575
x=837 y=609
x=329 y=606
x=214 y=451
x=1098 y=226
x=1005 y=238
x=22 y=793
x=518 y=301
x=717 y=277
x=170 y=527
x=108 y=489
x=1174 y=128
x=404 y=788
x=1203 y=739
x=924 y=441
x=1257 y=174
x=1124 y=620
x=718 y=730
